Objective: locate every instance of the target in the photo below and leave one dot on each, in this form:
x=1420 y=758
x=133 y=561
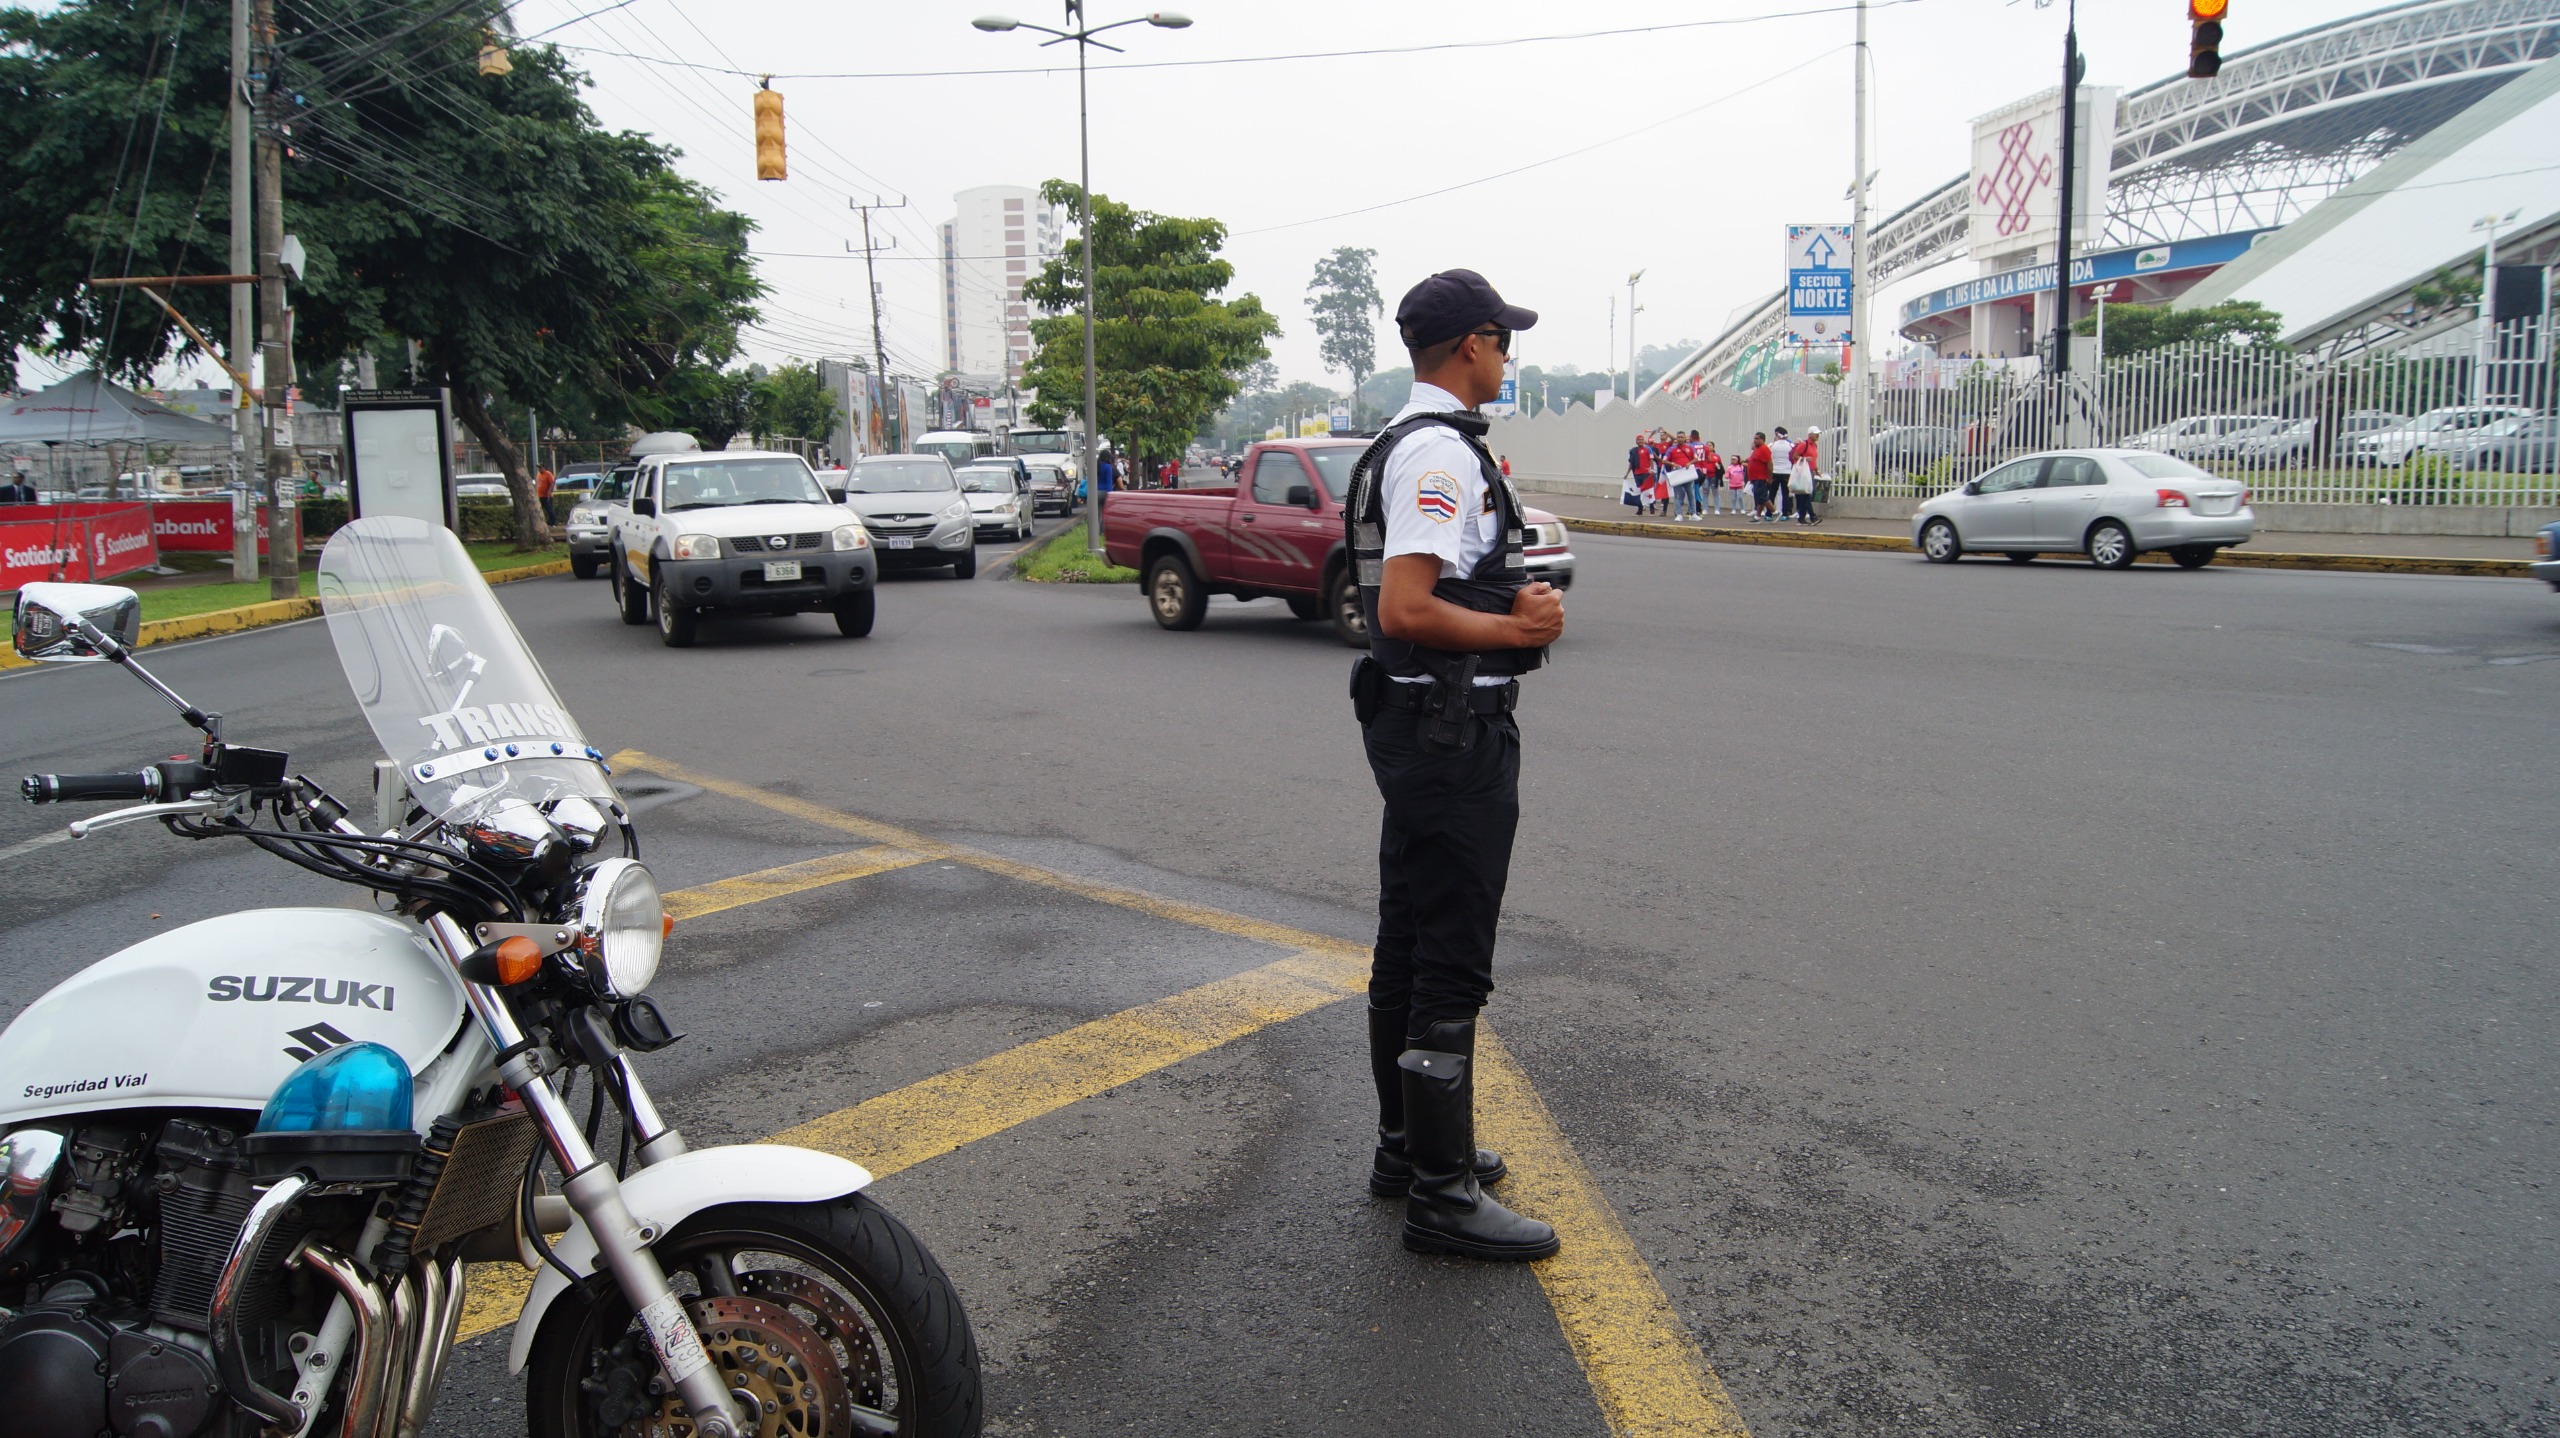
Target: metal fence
x=2448 y=422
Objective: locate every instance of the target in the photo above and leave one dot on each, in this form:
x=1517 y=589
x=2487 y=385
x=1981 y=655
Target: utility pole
x=2063 y=197
x=879 y=346
x=1859 y=340
x=1613 y=346
x=284 y=529
x=2483 y=349
x=245 y=449
x=1632 y=309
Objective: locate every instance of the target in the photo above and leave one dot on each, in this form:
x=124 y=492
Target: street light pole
x=2488 y=301
x=1631 y=335
x=1082 y=34
x=1859 y=340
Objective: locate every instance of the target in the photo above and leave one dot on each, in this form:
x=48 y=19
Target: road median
x=274 y=611
x=1810 y=537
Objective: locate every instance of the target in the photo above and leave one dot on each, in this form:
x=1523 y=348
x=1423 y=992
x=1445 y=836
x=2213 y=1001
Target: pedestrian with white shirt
x=1436 y=535
x=1782 y=470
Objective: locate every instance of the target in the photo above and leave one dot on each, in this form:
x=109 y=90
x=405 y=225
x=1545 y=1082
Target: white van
x=960 y=447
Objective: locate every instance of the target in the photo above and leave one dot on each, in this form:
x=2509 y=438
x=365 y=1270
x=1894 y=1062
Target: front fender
x=666 y=1194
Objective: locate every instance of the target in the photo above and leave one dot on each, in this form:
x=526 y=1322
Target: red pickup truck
x=1278 y=532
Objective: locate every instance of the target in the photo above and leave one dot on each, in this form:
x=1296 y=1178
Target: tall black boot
x=1447 y=1210
x=1390 y=1174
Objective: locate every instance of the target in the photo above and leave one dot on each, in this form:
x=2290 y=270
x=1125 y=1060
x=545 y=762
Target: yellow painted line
x=1649 y=1378
x=797 y=878
x=1199 y=916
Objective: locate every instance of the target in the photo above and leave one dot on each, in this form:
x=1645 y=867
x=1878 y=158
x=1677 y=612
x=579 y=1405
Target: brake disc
x=832 y=1317
x=782 y=1376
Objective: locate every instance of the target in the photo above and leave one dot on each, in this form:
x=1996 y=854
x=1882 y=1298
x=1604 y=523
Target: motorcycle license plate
x=781 y=569
x=897 y=541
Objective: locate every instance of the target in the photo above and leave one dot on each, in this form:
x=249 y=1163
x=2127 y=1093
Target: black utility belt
x=1482 y=698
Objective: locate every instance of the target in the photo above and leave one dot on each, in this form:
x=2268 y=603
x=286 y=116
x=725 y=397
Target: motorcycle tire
x=913 y=1361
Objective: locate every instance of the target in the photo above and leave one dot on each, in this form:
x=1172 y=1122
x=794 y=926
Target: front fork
x=595 y=1194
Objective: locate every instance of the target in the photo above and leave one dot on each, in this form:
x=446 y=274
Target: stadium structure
x=2204 y=181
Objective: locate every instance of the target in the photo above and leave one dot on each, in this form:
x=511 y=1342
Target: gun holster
x=1368 y=689
x=1448 y=714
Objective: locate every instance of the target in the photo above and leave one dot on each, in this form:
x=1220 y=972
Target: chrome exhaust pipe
x=228 y=1359
x=399 y=1357
x=439 y=1316
x=366 y=1389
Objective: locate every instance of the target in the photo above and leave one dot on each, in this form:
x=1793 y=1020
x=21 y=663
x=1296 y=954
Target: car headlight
x=852 y=536
x=582 y=515
x=696 y=546
x=623 y=926
x=959 y=510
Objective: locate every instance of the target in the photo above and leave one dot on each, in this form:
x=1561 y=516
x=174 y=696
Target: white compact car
x=999 y=505
x=2109 y=504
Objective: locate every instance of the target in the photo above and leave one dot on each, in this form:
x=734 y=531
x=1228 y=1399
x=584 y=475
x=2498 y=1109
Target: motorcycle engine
x=73 y=1367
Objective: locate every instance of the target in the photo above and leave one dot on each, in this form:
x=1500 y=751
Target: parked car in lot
x=740 y=532
x=591 y=520
x=1915 y=447
x=2522 y=444
x=2546 y=555
x=915 y=511
x=1277 y=532
x=2433 y=432
x=2195 y=435
x=2111 y=504
x=482 y=486
x=998 y=504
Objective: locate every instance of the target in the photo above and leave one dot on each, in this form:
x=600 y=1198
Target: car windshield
x=986 y=479
x=900 y=476
x=618 y=483
x=1055 y=441
x=443 y=677
x=2162 y=466
x=1334 y=463
x=716 y=483
x=956 y=452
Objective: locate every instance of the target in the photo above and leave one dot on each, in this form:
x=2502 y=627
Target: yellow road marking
x=1646 y=1374
x=1650 y=1379
x=797 y=878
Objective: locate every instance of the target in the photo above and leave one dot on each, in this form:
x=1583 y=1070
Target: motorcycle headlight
x=624 y=925
x=852 y=536
x=696 y=546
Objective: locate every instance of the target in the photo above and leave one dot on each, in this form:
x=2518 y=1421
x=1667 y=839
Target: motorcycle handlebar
x=67 y=788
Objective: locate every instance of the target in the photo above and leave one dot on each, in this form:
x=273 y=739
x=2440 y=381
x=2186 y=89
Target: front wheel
x=854 y=612
x=966 y=566
x=583 y=565
x=1938 y=541
x=677 y=624
x=830 y=1316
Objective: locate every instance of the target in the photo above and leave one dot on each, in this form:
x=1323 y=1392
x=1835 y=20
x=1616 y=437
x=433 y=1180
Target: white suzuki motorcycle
x=246 y=1160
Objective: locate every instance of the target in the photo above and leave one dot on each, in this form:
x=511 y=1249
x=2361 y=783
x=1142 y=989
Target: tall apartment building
x=997 y=242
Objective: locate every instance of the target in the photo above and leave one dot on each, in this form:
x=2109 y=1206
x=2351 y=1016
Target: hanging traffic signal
x=769 y=158
x=2204 y=47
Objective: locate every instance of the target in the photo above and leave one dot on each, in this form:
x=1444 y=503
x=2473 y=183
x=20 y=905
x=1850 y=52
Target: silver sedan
x=2112 y=505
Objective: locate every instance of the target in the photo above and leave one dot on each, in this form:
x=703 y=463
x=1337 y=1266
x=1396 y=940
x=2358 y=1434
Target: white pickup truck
x=737 y=532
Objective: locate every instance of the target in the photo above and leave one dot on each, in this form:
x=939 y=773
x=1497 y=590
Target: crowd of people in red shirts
x=1686 y=479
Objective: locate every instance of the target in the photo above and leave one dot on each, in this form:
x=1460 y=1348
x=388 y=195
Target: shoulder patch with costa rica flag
x=1436 y=495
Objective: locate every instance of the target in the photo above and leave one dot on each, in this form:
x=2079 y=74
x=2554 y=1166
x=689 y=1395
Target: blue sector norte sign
x=2087 y=270
x=1818 y=284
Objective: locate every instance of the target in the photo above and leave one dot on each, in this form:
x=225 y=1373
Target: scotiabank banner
x=199 y=525
x=74 y=542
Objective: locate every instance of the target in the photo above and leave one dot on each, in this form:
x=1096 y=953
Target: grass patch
x=1063 y=559
x=176 y=601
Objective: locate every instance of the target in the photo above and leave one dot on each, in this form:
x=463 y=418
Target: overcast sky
x=1698 y=144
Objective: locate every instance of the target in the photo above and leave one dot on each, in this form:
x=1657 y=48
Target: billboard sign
x=1818 y=284
x=2016 y=185
x=1508 y=401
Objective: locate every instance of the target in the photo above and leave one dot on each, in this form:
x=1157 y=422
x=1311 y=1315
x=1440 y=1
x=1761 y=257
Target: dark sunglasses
x=1502 y=338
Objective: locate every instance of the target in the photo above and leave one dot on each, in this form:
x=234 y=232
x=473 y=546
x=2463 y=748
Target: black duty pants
x=1444 y=856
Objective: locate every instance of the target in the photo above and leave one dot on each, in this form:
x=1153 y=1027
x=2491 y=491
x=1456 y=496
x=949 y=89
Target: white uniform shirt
x=1781 y=462
x=1434 y=496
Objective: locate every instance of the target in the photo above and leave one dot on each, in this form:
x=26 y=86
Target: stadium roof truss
x=2285 y=126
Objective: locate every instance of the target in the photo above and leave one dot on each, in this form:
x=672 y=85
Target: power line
x=1724 y=22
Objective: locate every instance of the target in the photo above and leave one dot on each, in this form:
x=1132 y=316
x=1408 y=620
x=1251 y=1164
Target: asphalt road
x=1997 y=999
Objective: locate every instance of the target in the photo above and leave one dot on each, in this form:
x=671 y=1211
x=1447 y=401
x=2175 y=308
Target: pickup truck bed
x=1277 y=534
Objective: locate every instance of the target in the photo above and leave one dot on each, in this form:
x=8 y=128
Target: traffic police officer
x=1435 y=534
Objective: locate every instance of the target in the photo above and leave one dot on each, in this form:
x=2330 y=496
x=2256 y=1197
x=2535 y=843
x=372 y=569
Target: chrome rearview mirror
x=45 y=632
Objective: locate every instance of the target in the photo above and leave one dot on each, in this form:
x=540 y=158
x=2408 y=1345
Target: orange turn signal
x=519 y=959
x=666 y=925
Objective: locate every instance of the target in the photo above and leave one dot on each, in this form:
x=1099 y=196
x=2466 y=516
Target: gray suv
x=915 y=511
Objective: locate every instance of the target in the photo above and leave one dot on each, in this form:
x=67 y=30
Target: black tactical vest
x=1488 y=589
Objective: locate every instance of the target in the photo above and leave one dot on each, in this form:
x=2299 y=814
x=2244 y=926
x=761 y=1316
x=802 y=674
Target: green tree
x=2140 y=329
x=1344 y=297
x=792 y=401
x=1167 y=353
x=535 y=258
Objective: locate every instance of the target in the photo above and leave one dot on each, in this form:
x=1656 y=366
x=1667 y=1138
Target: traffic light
x=2204 y=47
x=769 y=159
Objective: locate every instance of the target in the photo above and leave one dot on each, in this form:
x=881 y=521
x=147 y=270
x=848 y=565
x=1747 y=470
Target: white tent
x=86 y=409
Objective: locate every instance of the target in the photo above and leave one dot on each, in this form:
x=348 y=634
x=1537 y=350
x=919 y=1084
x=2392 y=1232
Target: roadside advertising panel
x=1818 y=284
x=74 y=542
x=198 y=526
x=1508 y=401
x=2015 y=201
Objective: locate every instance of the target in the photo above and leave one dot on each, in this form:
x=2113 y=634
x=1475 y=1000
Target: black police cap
x=1451 y=303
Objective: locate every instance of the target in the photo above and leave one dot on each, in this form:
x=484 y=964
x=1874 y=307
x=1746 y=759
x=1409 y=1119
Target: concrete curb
x=2236 y=558
x=274 y=611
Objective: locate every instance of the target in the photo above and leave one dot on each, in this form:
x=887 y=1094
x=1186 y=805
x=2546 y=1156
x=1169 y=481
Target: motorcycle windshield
x=444 y=678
